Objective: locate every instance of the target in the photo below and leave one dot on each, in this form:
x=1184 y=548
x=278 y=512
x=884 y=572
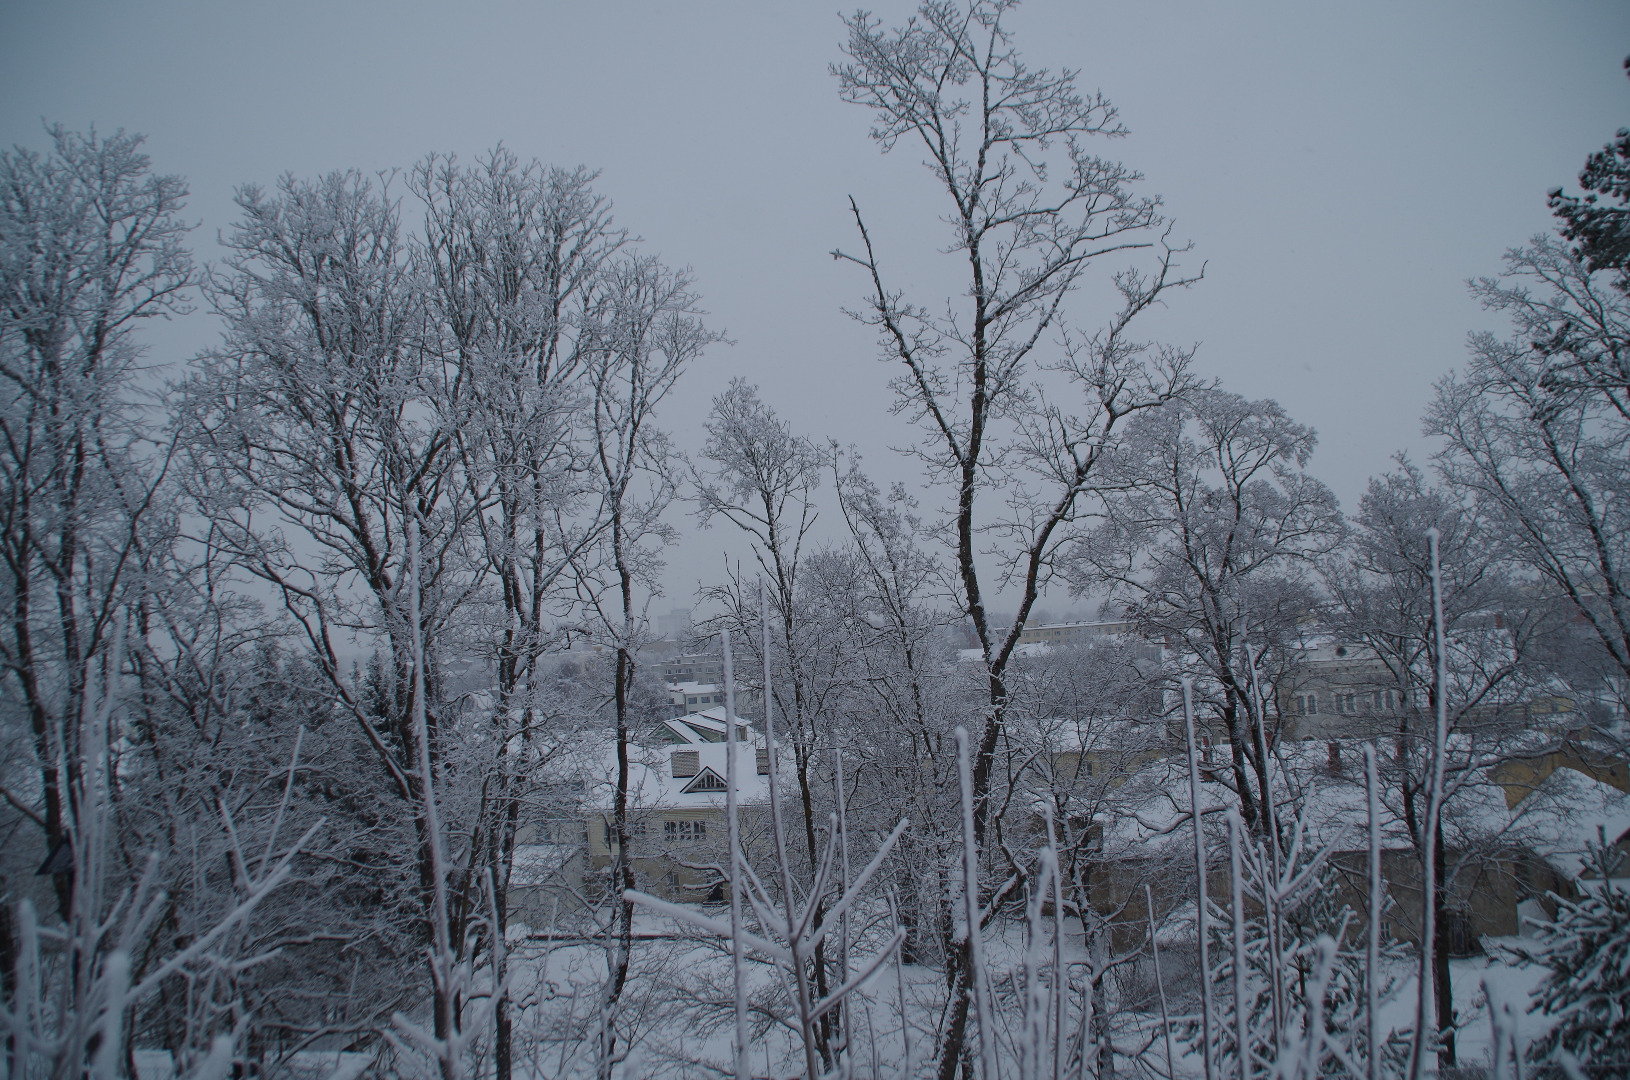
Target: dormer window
x=706 y=780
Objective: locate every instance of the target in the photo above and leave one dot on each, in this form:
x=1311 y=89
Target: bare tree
x=1018 y=455
x=1536 y=429
x=510 y=253
x=886 y=592
x=1381 y=595
x=320 y=433
x=1211 y=546
x=642 y=329
x=90 y=245
x=762 y=478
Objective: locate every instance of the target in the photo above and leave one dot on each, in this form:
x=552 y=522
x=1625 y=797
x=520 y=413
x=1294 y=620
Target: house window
x=1308 y=704
x=1347 y=703
x=684 y=830
x=763 y=762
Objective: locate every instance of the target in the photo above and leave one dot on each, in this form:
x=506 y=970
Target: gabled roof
x=702 y=727
x=706 y=780
x=652 y=785
x=1573 y=810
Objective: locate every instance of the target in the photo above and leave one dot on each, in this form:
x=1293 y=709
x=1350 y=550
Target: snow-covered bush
x=1587 y=950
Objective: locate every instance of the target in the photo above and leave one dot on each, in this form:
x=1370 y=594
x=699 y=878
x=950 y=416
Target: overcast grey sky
x=1343 y=168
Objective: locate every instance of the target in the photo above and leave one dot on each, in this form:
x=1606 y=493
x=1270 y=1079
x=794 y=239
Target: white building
x=690 y=697
x=676 y=812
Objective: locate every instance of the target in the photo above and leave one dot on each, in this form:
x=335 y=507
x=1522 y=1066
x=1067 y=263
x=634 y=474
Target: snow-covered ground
x=680 y=976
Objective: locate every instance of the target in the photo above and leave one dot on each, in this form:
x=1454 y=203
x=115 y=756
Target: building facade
x=677 y=822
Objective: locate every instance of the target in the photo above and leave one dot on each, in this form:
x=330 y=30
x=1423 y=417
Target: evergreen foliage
x=1587 y=950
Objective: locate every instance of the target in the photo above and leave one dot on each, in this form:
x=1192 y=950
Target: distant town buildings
x=689 y=697
x=692 y=667
x=1071 y=633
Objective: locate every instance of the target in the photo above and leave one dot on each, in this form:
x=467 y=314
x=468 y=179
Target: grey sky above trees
x=1342 y=170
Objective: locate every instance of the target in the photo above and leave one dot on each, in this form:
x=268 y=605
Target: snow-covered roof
x=1554 y=821
x=696 y=688
x=1572 y=810
x=705 y=726
x=700 y=736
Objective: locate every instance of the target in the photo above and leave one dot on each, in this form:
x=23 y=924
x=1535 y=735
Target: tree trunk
x=622 y=869
x=1236 y=747
x=1440 y=959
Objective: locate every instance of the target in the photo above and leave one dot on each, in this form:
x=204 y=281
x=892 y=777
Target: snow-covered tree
x=90 y=247
x=510 y=254
x=1587 y=991
x=320 y=441
x=1210 y=544
x=1017 y=406
x=641 y=329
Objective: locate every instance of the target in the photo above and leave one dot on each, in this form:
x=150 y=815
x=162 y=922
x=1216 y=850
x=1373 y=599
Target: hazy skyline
x=1342 y=170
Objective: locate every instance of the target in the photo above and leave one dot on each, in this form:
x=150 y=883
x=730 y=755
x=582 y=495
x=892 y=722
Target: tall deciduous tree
x=1380 y=601
x=641 y=330
x=90 y=246
x=1536 y=430
x=510 y=254
x=321 y=432
x=761 y=477
x=1210 y=544
x=1031 y=210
